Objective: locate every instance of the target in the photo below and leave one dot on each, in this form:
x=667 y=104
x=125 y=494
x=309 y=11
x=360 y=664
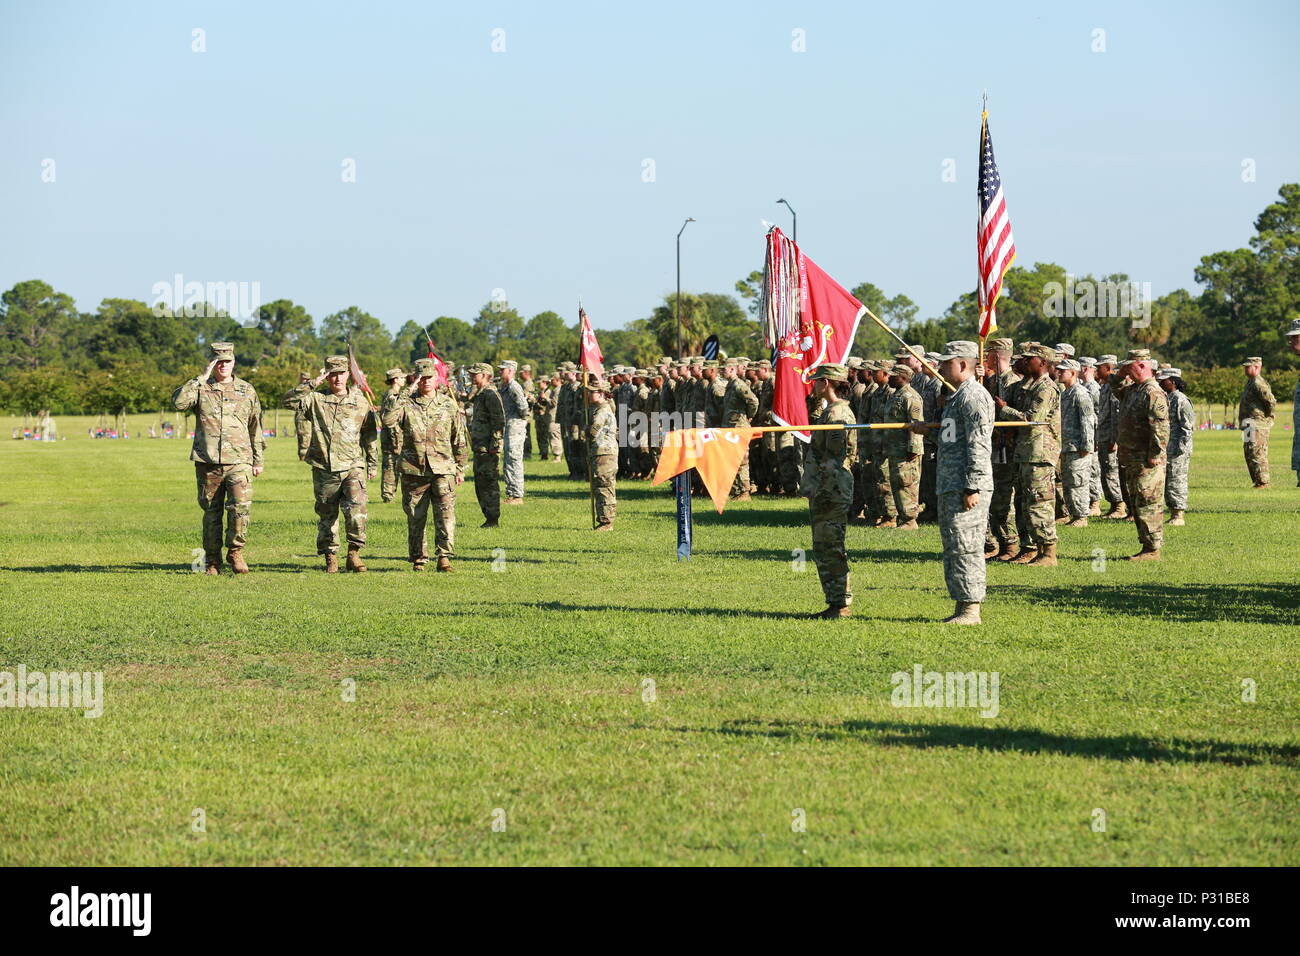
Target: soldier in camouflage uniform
x=715 y=392
x=548 y=437
x=964 y=479
x=485 y=441
x=1078 y=435
x=529 y=385
x=1088 y=379
x=1002 y=540
x=1143 y=434
x=602 y=439
x=1182 y=426
x=227 y=453
x=878 y=460
x=567 y=411
x=869 y=507
x=1107 y=449
x=344 y=455
x=515 y=408
x=903 y=447
x=1293 y=341
x=856 y=389
x=1036 y=453
x=1255 y=416
x=390 y=443
x=931 y=389
x=432 y=427
x=739 y=406
x=828 y=486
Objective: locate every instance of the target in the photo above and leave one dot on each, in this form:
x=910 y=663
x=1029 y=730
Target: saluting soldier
x=432 y=461
x=828 y=485
x=344 y=455
x=227 y=453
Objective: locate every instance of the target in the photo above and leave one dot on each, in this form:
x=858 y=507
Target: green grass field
x=523 y=689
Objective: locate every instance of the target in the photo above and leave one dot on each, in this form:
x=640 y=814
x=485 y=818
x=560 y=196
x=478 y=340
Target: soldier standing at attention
x=1088 y=379
x=485 y=441
x=544 y=417
x=1143 y=439
x=877 y=453
x=1182 y=426
x=739 y=406
x=903 y=447
x=1078 y=437
x=227 y=452
x=998 y=377
x=1107 y=449
x=1036 y=453
x=390 y=442
x=343 y=455
x=1293 y=340
x=530 y=393
x=514 y=404
x=1255 y=416
x=964 y=480
x=432 y=429
x=828 y=486
x=602 y=441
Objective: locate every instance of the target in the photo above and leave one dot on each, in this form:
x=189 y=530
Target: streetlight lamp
x=679 y=286
x=794 y=232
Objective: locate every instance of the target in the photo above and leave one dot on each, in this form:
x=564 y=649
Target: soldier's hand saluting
x=318 y=379
x=207 y=372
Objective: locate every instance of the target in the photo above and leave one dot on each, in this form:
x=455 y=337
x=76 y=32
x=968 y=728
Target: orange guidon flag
x=715 y=453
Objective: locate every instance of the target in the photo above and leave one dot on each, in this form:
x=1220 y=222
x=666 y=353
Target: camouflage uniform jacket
x=390 y=440
x=602 y=435
x=1078 y=420
x=1257 y=403
x=228 y=421
x=345 y=433
x=739 y=403
x=766 y=392
x=1143 y=422
x=433 y=433
x=1037 y=401
x=714 y=395
x=514 y=402
x=880 y=400
x=905 y=406
x=1182 y=424
x=832 y=450
x=1004 y=385
x=931 y=392
x=965 y=441
x=488 y=419
x=1107 y=413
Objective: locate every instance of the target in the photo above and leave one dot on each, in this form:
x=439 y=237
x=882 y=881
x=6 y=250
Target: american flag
x=997 y=250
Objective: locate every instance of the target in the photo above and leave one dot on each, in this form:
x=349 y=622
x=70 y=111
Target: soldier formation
x=1103 y=430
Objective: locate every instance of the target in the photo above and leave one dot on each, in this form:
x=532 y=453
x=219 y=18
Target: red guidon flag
x=809 y=320
x=714 y=452
x=358 y=376
x=438 y=363
x=591 y=358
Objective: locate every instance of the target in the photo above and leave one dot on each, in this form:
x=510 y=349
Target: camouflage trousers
x=418 y=492
x=999 y=509
x=859 y=501
x=740 y=486
x=553 y=442
x=226 y=488
x=884 y=493
x=1037 y=491
x=528 y=438
x=1110 y=483
x=1077 y=483
x=1094 y=479
x=486 y=475
x=392 y=469
x=604 y=473
x=962 y=533
x=578 y=455
x=905 y=486
x=1176 y=482
x=334 y=490
x=512 y=456
x=828 y=510
x=1145 y=488
x=1256 y=453
x=928 y=493
x=789 y=454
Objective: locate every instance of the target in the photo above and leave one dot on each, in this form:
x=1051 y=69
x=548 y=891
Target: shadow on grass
x=1022 y=740
x=1239 y=603
x=143 y=566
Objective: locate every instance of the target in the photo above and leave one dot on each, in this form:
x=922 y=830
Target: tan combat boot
x=444 y=565
x=354 y=561
x=1027 y=554
x=1095 y=510
x=236 y=559
x=605 y=526
x=331 y=563
x=909 y=525
x=834 y=612
x=967 y=612
x=1046 y=557
x=1118 y=511
x=213 y=568
x=1176 y=518
x=489 y=523
x=1005 y=552
x=1146 y=554
x=1080 y=522
x=887 y=523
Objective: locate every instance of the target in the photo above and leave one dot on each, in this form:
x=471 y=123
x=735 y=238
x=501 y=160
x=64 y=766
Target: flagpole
x=920 y=357
x=586 y=415
x=979 y=328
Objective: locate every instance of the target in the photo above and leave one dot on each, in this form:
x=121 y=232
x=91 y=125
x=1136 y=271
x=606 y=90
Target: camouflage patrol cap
x=665 y=360
x=654 y=373
x=1137 y=355
x=831 y=372
x=508 y=363
x=932 y=357
x=425 y=368
x=1169 y=372
x=1088 y=362
x=640 y=373
x=565 y=367
x=337 y=363
x=853 y=362
x=1065 y=348
x=525 y=368
x=763 y=363
x=961 y=348
x=731 y=363
x=395 y=373
x=1044 y=352
x=1001 y=345
x=1068 y=365
x=480 y=368
x=709 y=363
x=221 y=352
x=1108 y=359
x=902 y=371
x=904 y=354
x=597 y=385
x=1252 y=360
x=743 y=359
x=1295 y=328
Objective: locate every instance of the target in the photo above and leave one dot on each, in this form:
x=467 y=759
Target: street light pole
x=678 y=301
x=794 y=232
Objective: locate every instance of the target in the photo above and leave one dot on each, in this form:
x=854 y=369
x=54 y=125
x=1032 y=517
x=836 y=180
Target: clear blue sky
x=522 y=170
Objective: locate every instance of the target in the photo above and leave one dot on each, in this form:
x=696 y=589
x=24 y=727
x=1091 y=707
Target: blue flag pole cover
x=682 y=486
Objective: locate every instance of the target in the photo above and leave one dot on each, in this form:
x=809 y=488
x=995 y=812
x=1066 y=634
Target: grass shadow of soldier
x=1238 y=603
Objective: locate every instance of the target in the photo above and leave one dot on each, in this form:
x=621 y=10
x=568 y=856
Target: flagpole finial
x=984 y=112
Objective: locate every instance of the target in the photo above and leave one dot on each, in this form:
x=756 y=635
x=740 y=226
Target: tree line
x=128 y=355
